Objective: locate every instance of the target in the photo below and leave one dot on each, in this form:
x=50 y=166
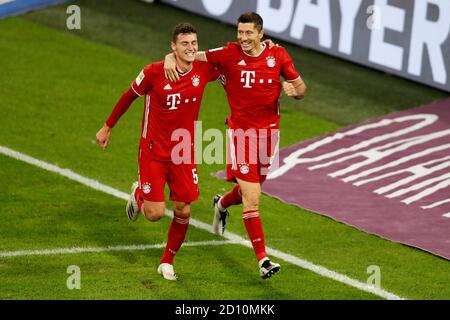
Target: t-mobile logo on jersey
x=247 y=77
x=173 y=100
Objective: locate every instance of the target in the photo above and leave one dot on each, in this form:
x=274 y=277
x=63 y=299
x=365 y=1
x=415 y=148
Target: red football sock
x=231 y=198
x=255 y=232
x=175 y=238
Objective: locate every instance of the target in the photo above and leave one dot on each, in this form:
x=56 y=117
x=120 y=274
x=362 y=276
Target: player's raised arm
x=295 y=88
x=170 y=65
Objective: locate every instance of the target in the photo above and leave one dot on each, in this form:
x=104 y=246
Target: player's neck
x=257 y=50
x=183 y=66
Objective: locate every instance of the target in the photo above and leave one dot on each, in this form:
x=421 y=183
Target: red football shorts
x=251 y=154
x=182 y=179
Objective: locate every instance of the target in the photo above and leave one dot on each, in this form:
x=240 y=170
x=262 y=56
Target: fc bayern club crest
x=146 y=188
x=271 y=62
x=195 y=80
x=244 y=168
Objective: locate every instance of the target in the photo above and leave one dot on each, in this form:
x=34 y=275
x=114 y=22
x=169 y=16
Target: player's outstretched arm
x=102 y=136
x=170 y=65
x=295 y=89
x=125 y=101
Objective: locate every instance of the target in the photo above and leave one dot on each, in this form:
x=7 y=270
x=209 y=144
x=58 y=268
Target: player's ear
x=173 y=45
x=261 y=34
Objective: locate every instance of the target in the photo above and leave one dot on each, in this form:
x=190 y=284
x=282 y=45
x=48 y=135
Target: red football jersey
x=170 y=106
x=252 y=83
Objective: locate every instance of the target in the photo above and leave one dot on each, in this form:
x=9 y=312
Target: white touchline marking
x=75 y=250
x=201 y=225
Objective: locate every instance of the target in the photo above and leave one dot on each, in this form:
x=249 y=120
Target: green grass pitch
x=57 y=88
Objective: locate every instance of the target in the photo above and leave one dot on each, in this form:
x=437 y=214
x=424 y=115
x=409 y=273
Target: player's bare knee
x=182 y=209
x=251 y=200
x=182 y=214
x=153 y=214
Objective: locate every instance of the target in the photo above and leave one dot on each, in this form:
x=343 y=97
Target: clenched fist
x=102 y=136
x=289 y=89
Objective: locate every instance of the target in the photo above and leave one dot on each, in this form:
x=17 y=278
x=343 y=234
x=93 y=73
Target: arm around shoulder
x=201 y=56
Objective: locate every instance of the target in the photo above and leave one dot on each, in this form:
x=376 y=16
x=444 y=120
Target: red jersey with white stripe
x=253 y=83
x=170 y=106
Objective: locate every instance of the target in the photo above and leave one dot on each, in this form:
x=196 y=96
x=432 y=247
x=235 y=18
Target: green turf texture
x=82 y=217
x=58 y=86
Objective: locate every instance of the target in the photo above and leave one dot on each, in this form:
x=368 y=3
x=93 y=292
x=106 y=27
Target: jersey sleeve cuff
x=294 y=79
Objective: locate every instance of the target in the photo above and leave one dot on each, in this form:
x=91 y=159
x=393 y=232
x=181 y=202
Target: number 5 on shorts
x=195 y=175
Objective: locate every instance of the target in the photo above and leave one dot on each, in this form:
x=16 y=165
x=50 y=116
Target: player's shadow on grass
x=106 y=225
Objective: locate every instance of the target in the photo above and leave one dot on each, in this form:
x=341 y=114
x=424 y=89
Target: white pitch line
x=75 y=250
x=201 y=225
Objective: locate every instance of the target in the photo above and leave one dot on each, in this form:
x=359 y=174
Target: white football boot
x=132 y=208
x=268 y=269
x=166 y=270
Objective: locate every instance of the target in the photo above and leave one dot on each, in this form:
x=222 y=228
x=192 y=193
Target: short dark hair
x=182 y=28
x=251 y=17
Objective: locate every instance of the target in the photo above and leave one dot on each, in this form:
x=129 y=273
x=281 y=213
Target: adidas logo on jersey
x=242 y=63
x=168 y=87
